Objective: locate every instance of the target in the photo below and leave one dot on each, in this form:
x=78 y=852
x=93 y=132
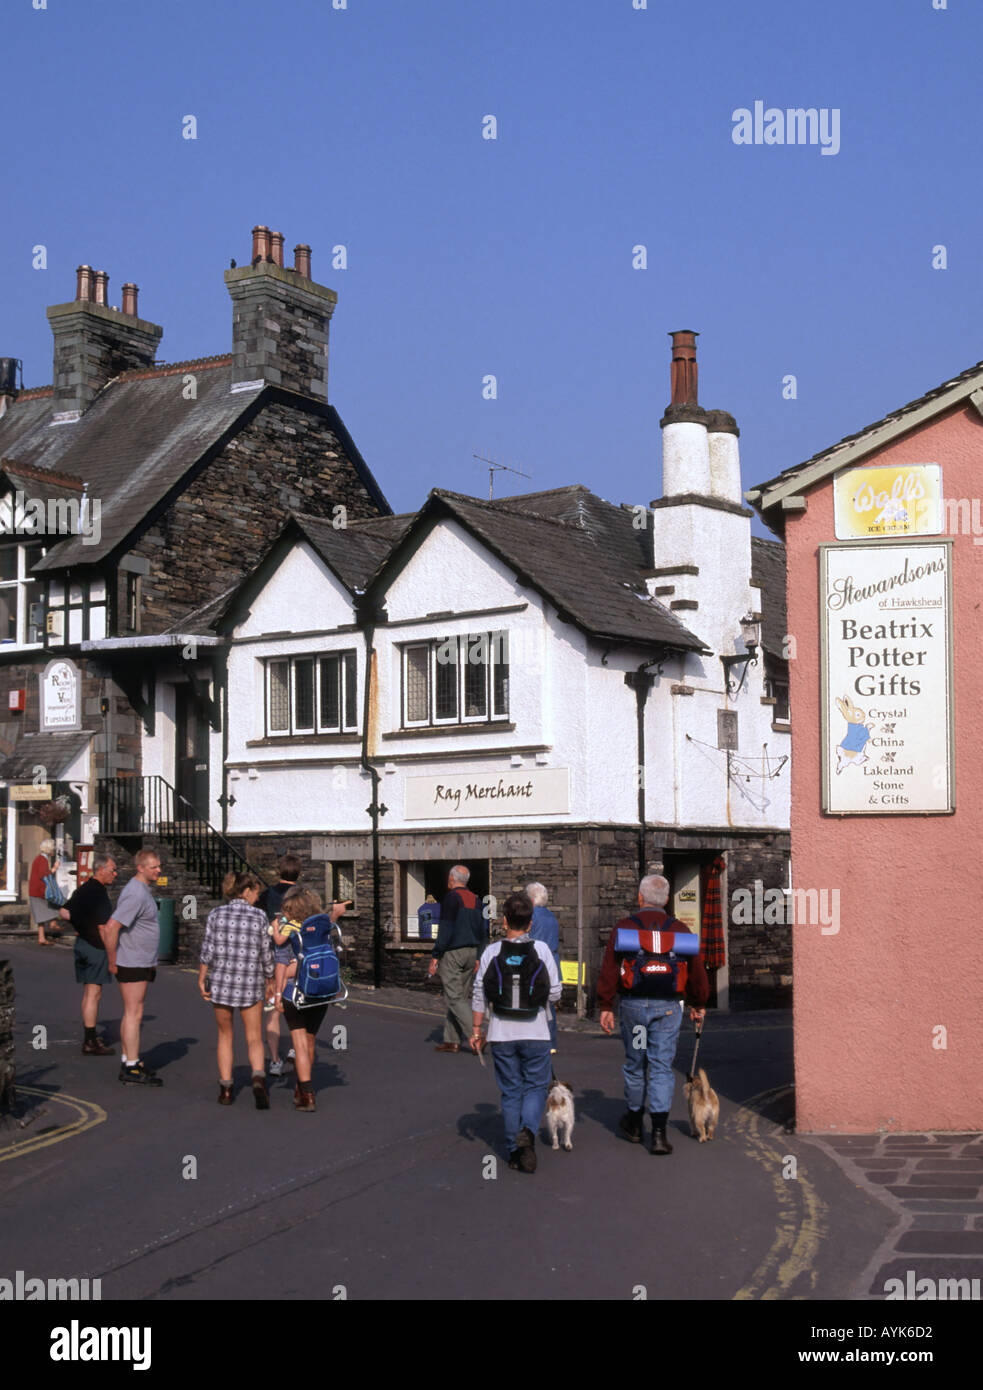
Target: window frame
x=347 y=671
x=21 y=584
x=495 y=712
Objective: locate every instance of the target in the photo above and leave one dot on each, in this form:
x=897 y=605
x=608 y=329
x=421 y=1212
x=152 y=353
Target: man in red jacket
x=651 y=1012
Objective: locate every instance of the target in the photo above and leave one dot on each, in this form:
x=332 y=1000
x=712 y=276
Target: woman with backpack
x=302 y=922
x=42 y=913
x=236 y=972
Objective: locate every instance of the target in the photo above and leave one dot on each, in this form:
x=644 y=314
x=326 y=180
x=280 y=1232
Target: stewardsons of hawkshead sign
x=523 y=792
x=886 y=693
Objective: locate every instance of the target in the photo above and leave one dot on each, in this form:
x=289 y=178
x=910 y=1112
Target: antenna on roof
x=494 y=467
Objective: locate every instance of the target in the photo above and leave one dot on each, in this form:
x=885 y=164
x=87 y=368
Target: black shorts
x=133 y=974
x=308 y=1019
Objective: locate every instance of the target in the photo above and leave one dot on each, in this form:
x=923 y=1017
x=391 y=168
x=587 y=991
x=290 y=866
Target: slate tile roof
x=768 y=570
x=54 y=751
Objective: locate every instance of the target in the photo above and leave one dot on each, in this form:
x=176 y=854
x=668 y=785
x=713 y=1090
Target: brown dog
x=704 y=1107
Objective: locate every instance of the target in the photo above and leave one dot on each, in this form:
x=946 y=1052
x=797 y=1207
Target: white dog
x=559 y=1114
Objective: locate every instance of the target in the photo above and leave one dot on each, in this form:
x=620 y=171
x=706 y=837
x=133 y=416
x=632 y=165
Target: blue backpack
x=318 y=978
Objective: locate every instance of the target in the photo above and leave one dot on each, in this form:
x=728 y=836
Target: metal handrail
x=151 y=806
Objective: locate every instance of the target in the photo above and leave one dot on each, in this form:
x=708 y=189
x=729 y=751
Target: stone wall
x=285 y=460
x=8 y=1068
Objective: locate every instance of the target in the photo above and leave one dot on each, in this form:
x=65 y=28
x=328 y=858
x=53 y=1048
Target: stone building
x=545 y=686
x=133 y=492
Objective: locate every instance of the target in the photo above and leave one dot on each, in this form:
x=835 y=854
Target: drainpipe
x=641 y=681
x=367 y=615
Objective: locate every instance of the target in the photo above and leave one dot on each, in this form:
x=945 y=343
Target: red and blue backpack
x=653 y=960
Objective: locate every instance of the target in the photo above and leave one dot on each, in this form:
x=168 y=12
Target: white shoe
x=276 y=1068
x=291 y=1055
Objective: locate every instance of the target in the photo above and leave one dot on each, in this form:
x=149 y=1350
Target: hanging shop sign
x=60 y=708
x=884 y=502
x=522 y=792
x=886 y=694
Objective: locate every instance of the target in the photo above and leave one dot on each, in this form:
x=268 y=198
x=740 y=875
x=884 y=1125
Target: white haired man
x=651 y=1011
x=462 y=930
x=545 y=928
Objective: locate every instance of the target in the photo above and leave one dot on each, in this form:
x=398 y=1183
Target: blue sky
x=362 y=127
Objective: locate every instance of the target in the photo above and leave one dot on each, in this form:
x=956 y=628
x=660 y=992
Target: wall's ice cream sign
x=887 y=678
x=901 y=501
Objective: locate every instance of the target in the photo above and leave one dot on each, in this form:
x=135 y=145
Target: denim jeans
x=650 y=1030
x=522 y=1070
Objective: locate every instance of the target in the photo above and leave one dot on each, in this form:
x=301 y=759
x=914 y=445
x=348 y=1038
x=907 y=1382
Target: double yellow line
x=87 y=1115
x=801 y=1214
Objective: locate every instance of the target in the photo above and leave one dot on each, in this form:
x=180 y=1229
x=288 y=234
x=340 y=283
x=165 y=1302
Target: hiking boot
x=138 y=1075
x=260 y=1094
x=304 y=1100
x=97 y=1048
x=447 y=1047
x=660 y=1142
x=630 y=1125
x=525 y=1149
x=225 y=1096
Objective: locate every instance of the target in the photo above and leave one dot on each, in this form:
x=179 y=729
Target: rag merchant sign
x=887 y=678
x=527 y=792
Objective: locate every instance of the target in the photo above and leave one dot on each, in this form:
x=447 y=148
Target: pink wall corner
x=908 y=956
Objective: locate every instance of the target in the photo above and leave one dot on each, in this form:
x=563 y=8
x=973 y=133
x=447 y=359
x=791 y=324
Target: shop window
x=308 y=695
x=456 y=680
x=21 y=595
x=342 y=880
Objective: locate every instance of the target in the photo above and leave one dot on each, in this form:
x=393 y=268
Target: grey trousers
x=456 y=971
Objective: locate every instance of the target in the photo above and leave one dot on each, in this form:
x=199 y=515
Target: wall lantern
x=751 y=637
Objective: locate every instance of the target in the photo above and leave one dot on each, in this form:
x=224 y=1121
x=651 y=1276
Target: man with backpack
x=652 y=986
x=517 y=980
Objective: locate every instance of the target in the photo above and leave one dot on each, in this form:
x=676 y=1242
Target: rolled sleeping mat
x=631 y=940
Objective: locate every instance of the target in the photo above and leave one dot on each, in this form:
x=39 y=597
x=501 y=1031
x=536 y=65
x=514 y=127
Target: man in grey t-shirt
x=132 y=936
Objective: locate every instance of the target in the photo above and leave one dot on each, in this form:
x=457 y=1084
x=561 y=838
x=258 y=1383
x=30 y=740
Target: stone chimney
x=701 y=529
x=94 y=343
x=280 y=319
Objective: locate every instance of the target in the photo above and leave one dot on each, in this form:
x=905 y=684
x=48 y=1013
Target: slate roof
x=948 y=394
x=52 y=751
x=356 y=551
x=134 y=444
x=570 y=562
x=768 y=570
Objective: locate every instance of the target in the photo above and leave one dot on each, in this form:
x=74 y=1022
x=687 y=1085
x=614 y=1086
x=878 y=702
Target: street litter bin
x=168 y=936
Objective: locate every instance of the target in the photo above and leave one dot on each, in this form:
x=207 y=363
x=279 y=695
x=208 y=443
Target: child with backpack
x=517 y=980
x=305 y=988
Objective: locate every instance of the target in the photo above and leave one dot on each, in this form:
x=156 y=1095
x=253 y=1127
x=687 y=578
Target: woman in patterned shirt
x=236 y=972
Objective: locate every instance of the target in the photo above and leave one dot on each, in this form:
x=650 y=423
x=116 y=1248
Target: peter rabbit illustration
x=851 y=752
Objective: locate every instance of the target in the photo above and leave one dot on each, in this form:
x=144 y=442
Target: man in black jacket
x=89 y=909
x=462 y=930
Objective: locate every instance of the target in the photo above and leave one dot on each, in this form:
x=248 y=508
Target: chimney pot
x=683 y=373
x=261 y=243
x=101 y=295
x=302 y=260
x=83 y=283
x=130 y=292
x=276 y=248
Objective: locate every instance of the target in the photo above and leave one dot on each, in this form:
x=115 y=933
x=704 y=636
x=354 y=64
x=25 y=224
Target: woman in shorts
x=297 y=906
x=237 y=963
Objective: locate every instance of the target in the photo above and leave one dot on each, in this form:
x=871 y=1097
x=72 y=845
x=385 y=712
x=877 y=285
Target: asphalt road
x=385 y=1192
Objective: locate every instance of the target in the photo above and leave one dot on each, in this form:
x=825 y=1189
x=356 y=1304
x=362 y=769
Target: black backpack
x=517 y=983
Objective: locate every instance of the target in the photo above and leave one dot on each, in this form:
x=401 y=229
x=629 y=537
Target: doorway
x=191 y=740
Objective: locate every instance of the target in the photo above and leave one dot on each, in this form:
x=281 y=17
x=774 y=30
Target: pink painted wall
x=909 y=952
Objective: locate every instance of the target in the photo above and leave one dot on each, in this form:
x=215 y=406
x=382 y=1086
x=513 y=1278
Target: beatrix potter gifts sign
x=887 y=678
